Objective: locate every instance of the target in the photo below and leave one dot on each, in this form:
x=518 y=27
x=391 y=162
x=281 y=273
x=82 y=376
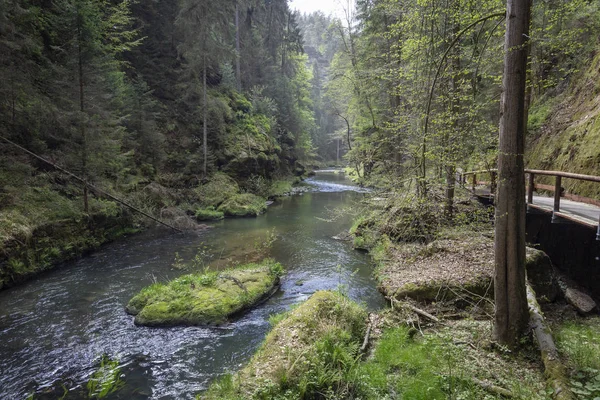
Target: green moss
x=208 y=298
x=243 y=205
x=569 y=137
x=219 y=188
x=306 y=354
x=280 y=187
x=208 y=214
x=32 y=248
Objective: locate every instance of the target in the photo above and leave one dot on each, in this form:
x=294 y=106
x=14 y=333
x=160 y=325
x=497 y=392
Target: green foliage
x=206 y=298
x=307 y=354
x=208 y=214
x=243 y=205
x=218 y=189
x=580 y=341
x=539 y=113
x=280 y=187
x=106 y=380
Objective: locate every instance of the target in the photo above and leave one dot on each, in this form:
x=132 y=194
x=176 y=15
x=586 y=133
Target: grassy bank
x=43 y=226
x=306 y=353
x=208 y=298
x=316 y=351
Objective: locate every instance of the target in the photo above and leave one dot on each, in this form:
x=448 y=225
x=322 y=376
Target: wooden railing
x=531 y=186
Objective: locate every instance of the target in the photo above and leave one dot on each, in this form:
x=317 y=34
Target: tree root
x=555 y=373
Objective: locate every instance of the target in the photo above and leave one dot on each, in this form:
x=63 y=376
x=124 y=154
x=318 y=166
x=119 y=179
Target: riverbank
x=440 y=275
x=330 y=347
x=46 y=227
x=436 y=340
x=55 y=328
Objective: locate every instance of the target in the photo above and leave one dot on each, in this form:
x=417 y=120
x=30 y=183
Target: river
x=54 y=328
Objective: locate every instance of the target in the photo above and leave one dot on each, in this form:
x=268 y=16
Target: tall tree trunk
x=450 y=167
x=238 y=74
x=204 y=114
x=509 y=281
x=82 y=122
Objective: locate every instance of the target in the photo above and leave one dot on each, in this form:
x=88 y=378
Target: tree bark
x=82 y=114
x=509 y=281
x=555 y=372
x=204 y=122
x=238 y=74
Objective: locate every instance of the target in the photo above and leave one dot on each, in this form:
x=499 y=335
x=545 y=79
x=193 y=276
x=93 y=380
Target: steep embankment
x=565 y=130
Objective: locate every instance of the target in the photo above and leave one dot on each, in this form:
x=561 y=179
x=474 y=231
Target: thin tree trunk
x=82 y=117
x=238 y=74
x=509 y=281
x=450 y=168
x=204 y=113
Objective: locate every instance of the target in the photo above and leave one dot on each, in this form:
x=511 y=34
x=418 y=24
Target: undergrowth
x=579 y=341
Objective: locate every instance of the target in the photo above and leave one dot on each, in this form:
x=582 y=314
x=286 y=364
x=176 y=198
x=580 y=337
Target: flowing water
x=54 y=329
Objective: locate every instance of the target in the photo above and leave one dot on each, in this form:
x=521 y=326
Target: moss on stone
x=218 y=189
x=208 y=214
x=540 y=274
x=291 y=352
x=208 y=298
x=243 y=205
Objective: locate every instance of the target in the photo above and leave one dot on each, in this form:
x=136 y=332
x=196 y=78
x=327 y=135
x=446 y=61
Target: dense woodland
x=195 y=110
x=127 y=93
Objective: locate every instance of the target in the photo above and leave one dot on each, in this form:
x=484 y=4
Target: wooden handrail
x=581 y=177
x=590 y=178
x=531 y=186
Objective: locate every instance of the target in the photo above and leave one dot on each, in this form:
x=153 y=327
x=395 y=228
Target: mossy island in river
x=208 y=298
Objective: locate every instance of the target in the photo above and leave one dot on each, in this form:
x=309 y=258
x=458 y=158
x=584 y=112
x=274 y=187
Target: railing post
x=493 y=182
x=556 y=197
x=530 y=187
x=474 y=182
x=598 y=231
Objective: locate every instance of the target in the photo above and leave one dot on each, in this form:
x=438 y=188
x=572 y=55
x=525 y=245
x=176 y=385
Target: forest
x=116 y=115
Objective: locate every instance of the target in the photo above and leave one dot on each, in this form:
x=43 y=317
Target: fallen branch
x=367 y=334
x=422 y=313
x=554 y=370
x=492 y=388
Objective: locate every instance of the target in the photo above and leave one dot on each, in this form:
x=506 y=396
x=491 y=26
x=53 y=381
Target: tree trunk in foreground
x=509 y=281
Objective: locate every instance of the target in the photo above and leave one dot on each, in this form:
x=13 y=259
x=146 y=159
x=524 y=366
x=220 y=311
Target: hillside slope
x=565 y=130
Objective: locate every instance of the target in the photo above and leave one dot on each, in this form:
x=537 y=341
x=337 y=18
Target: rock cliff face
x=564 y=130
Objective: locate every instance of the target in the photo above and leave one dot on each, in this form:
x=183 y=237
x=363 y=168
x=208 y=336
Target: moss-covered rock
x=540 y=275
x=208 y=214
x=219 y=188
x=243 y=205
x=209 y=298
x=305 y=342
